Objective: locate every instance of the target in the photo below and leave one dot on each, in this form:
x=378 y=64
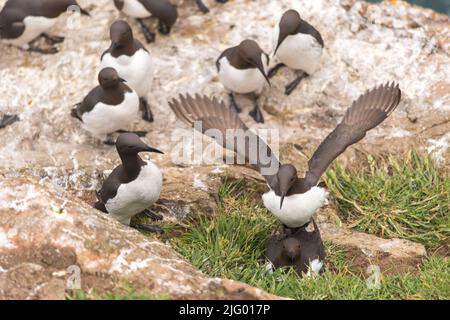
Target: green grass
x=405 y=198
x=231 y=244
x=127 y=295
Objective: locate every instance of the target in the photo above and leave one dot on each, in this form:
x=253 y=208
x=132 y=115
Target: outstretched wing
x=205 y=114
x=368 y=111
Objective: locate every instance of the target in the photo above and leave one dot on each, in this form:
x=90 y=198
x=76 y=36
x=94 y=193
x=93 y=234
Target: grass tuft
x=394 y=198
x=231 y=244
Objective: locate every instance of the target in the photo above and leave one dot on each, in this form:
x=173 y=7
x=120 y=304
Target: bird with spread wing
x=292 y=199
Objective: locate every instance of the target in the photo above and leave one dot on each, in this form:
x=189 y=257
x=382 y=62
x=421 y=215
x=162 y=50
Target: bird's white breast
x=34 y=27
x=297 y=209
x=314 y=268
x=137 y=70
x=135 y=9
x=242 y=80
x=104 y=119
x=299 y=52
x=137 y=195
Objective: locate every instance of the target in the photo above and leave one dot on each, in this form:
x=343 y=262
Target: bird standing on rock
x=132 y=62
x=293 y=200
x=132 y=187
x=298 y=45
x=243 y=69
x=109 y=107
x=163 y=10
x=23 y=21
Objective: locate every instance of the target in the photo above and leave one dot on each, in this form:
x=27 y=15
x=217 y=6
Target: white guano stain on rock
x=438 y=147
x=199 y=183
x=122 y=265
x=119 y=263
x=399 y=133
x=5 y=243
x=8 y=201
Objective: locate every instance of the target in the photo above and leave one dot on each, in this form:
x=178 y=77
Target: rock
x=46 y=234
x=391 y=255
x=30 y=281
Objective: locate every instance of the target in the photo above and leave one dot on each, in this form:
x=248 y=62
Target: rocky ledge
x=51 y=241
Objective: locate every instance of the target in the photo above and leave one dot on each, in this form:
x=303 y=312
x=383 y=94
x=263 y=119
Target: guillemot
x=132 y=187
x=243 y=69
x=202 y=6
x=163 y=10
x=22 y=21
x=297 y=45
x=109 y=107
x=293 y=200
x=301 y=249
x=132 y=62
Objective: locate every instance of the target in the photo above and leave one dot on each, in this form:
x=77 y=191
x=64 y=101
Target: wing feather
x=365 y=113
x=214 y=114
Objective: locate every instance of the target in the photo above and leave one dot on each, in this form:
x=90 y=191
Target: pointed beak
x=122 y=80
x=283 y=195
x=116 y=41
x=84 y=12
x=276 y=49
x=263 y=72
x=292 y=256
x=150 y=149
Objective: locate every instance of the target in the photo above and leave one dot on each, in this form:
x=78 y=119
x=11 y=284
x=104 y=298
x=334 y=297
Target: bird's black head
x=121 y=34
x=291 y=248
x=251 y=53
x=286 y=178
x=10 y=29
x=109 y=78
x=289 y=25
x=131 y=144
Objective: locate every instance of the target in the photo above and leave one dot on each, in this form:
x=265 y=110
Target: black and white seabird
x=298 y=45
x=243 y=69
x=132 y=187
x=163 y=10
x=293 y=200
x=109 y=107
x=301 y=249
x=132 y=61
x=22 y=21
x=202 y=6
